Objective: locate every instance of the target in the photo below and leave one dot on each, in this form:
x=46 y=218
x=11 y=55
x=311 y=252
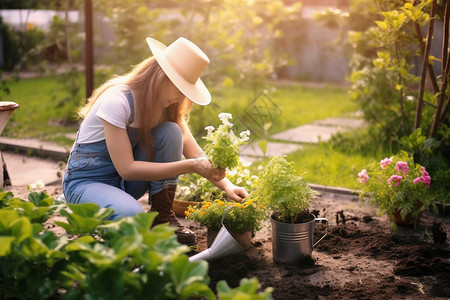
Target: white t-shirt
x=113 y=107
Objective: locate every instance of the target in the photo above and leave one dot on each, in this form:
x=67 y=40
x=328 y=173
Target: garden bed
x=361 y=258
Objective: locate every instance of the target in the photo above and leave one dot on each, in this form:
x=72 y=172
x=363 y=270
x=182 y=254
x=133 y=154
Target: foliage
x=241 y=218
x=123 y=259
x=397 y=183
x=193 y=187
x=287 y=195
x=231 y=32
x=247 y=286
x=329 y=165
x=196 y=188
x=222 y=148
x=418 y=146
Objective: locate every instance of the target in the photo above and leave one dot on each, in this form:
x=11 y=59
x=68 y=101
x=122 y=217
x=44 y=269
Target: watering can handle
x=326 y=232
x=225 y=212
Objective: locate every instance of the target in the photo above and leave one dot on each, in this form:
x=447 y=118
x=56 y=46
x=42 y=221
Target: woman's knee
x=168 y=142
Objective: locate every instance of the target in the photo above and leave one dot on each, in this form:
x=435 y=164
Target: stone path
x=292 y=140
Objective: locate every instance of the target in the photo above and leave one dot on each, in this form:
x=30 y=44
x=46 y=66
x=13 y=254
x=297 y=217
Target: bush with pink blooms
x=396 y=184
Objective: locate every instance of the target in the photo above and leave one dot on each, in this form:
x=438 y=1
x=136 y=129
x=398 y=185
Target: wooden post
x=89 y=49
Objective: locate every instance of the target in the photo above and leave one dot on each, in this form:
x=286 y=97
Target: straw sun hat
x=183 y=62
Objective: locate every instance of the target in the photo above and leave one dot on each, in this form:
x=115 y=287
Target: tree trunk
x=445 y=66
x=424 y=66
x=68 y=44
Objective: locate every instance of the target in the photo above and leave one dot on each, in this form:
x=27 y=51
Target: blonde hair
x=146 y=80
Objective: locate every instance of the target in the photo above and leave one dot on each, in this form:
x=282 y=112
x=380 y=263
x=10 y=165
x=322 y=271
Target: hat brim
x=197 y=93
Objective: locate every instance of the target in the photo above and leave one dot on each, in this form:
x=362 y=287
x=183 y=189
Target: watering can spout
x=223 y=245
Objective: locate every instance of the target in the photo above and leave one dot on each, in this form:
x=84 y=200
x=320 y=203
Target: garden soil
x=360 y=258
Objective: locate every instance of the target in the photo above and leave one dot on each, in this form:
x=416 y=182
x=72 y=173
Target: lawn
x=47 y=112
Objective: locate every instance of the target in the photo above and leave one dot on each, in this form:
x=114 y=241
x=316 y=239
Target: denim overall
x=90 y=175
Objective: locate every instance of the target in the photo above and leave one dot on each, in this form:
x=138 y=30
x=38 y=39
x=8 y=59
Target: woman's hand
x=204 y=168
x=236 y=193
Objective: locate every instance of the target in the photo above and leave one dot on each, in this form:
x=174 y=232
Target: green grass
x=298 y=104
x=42 y=110
x=324 y=165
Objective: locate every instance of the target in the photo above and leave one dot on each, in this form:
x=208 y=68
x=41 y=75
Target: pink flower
x=401 y=166
x=417 y=180
x=363 y=177
x=426 y=179
x=385 y=162
x=395 y=179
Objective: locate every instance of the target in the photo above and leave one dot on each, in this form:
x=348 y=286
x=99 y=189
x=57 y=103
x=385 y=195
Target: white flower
x=232 y=172
x=37 y=185
x=245 y=163
x=185 y=190
x=210 y=129
x=224 y=117
x=245 y=135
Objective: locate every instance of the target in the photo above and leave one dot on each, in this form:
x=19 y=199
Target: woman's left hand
x=236 y=193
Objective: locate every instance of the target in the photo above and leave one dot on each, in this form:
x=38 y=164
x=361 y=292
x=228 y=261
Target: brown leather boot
x=162 y=203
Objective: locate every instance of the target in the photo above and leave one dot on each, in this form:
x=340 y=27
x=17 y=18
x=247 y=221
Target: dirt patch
x=360 y=258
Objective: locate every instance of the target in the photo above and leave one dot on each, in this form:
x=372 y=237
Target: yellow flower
x=190 y=210
x=203 y=212
x=230 y=204
x=186 y=213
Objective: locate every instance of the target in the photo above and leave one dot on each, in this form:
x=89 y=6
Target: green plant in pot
x=242 y=220
x=288 y=197
x=397 y=187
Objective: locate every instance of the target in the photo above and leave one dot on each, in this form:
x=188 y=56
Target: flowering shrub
x=223 y=145
x=286 y=194
x=396 y=183
x=193 y=187
x=242 y=217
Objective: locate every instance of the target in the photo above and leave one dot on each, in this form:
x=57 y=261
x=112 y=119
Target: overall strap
x=131 y=103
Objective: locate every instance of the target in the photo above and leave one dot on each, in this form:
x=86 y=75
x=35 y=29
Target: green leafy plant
x=247 y=290
x=84 y=218
x=417 y=145
x=396 y=184
x=278 y=188
x=223 y=145
x=123 y=259
x=241 y=218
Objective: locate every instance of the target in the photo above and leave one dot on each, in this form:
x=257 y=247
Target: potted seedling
x=288 y=197
x=242 y=220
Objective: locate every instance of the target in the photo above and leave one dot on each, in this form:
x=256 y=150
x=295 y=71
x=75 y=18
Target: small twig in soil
x=341 y=215
x=419 y=287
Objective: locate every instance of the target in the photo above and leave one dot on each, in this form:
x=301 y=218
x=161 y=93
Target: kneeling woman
x=135 y=132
